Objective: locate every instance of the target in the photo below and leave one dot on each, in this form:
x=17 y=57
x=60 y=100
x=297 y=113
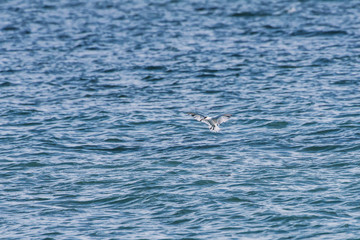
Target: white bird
x=213 y=123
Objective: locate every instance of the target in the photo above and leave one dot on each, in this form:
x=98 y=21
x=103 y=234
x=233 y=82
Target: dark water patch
x=50 y=234
x=20 y=112
x=349 y=124
x=330 y=33
x=118 y=149
x=205 y=183
x=150 y=78
x=321 y=62
x=325 y=131
x=277 y=124
x=108 y=70
x=6 y=84
x=346 y=82
x=9 y=71
x=10 y=28
x=153 y=122
x=213 y=92
x=172 y=164
x=49 y=7
x=352 y=148
x=114 y=140
x=248 y=14
x=206 y=9
x=288 y=66
x=25 y=165
x=337 y=164
x=30 y=124
x=204 y=75
x=207 y=70
x=318 y=189
x=125 y=200
x=311 y=123
x=321 y=148
x=236 y=200
x=155 y=68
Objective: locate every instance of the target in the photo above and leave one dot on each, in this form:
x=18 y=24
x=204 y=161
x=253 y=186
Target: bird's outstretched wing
x=196 y=116
x=223 y=118
x=200 y=118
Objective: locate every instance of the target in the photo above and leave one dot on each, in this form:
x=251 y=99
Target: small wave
x=122 y=149
x=352 y=148
x=318 y=33
x=155 y=68
x=6 y=84
x=150 y=78
x=324 y=131
x=277 y=124
x=204 y=182
x=10 y=28
x=206 y=75
x=346 y=82
x=320 y=148
x=22 y=166
x=247 y=14
x=321 y=62
x=114 y=140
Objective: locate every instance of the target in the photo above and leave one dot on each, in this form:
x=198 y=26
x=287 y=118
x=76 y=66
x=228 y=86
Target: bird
x=213 y=123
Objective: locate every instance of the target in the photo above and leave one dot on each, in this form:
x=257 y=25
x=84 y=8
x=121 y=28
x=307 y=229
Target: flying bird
x=213 y=123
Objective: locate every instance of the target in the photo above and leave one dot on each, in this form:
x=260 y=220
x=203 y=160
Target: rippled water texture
x=95 y=142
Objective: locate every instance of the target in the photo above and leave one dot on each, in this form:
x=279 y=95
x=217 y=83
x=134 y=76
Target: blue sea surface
x=95 y=141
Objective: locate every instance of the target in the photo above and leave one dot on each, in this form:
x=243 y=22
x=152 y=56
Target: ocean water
x=95 y=142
